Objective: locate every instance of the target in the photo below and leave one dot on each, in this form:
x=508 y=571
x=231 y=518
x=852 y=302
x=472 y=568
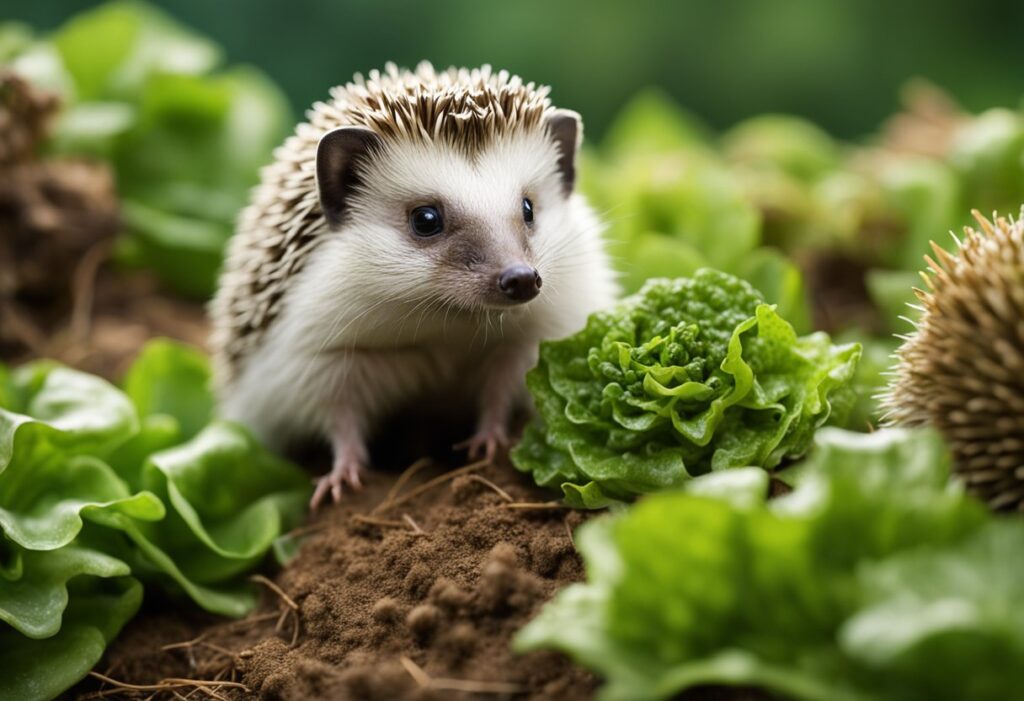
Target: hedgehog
x=962 y=370
x=413 y=241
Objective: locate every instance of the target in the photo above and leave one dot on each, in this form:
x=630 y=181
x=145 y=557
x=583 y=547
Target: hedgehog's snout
x=520 y=282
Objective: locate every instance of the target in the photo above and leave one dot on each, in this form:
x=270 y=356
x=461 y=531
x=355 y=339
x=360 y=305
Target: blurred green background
x=839 y=62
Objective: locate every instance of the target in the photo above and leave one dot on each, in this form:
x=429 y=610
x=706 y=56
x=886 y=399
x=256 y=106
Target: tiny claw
x=485 y=443
x=344 y=471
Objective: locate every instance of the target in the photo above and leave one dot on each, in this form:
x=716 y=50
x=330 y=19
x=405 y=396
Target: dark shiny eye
x=527 y=210
x=426 y=221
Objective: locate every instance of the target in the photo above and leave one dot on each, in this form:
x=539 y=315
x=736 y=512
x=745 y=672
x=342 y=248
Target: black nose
x=520 y=283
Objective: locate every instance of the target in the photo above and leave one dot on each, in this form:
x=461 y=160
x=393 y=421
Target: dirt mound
x=411 y=589
x=397 y=604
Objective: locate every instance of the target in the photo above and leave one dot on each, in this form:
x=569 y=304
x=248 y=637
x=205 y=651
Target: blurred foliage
x=837 y=63
x=185 y=138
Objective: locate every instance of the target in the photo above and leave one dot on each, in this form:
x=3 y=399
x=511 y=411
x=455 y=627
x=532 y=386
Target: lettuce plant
x=687 y=376
x=102 y=490
x=874 y=580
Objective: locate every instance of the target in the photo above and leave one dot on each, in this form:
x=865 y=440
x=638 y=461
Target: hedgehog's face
x=470 y=231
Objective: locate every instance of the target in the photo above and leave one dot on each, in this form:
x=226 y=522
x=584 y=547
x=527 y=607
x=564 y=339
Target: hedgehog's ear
x=337 y=158
x=566 y=128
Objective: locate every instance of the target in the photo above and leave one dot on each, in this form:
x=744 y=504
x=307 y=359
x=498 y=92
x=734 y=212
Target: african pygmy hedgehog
x=415 y=239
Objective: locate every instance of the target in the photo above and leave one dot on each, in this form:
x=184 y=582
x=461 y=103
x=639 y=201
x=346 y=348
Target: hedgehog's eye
x=527 y=210
x=426 y=221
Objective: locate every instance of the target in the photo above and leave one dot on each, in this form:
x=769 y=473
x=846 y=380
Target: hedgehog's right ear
x=337 y=158
x=566 y=128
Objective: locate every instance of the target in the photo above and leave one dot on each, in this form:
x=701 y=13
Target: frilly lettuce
x=101 y=488
x=874 y=580
x=687 y=376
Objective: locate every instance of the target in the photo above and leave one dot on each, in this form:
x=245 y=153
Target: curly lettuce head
x=687 y=376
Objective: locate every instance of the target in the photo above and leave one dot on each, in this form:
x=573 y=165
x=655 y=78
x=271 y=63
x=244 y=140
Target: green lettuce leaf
x=945 y=623
x=172 y=379
x=800 y=595
x=688 y=376
x=39 y=670
x=101 y=489
x=781 y=142
x=34 y=601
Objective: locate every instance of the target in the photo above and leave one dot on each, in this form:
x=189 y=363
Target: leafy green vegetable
x=652 y=123
x=875 y=579
x=41 y=669
x=790 y=144
x=687 y=376
x=100 y=488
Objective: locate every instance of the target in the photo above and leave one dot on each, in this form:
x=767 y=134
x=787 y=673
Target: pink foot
x=346 y=470
x=485 y=443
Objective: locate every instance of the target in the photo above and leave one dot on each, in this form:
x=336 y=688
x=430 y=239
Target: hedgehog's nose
x=520 y=282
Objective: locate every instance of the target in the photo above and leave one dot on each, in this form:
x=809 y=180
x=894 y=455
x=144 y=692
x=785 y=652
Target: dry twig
x=493 y=487
x=535 y=505
x=288 y=601
x=169 y=684
x=430 y=484
x=469 y=686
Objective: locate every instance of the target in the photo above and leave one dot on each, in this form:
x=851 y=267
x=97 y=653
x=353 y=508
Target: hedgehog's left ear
x=337 y=158
x=566 y=128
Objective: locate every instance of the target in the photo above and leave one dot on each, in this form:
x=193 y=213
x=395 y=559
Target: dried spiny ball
x=962 y=370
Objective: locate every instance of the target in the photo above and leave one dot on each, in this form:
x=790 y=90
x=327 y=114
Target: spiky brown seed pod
x=962 y=370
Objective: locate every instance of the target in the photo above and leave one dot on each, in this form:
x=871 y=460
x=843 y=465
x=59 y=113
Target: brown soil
x=838 y=292
x=398 y=595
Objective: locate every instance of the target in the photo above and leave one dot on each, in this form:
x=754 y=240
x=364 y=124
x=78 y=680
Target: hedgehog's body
x=340 y=302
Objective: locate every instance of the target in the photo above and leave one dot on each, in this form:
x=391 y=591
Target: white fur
x=371 y=322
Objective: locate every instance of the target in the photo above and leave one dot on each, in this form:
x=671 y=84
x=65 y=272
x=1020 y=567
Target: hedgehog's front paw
x=486 y=443
x=346 y=470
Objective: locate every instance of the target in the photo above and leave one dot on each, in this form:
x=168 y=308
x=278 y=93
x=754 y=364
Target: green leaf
x=945 y=623
x=228 y=500
x=687 y=376
x=112 y=50
x=34 y=602
x=173 y=379
x=692 y=203
x=39 y=670
x=780 y=280
x=44 y=500
x=927 y=196
x=792 y=145
x=716 y=586
x=653 y=123
x=185 y=144
x=88 y=491
x=988 y=155
x=59 y=408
